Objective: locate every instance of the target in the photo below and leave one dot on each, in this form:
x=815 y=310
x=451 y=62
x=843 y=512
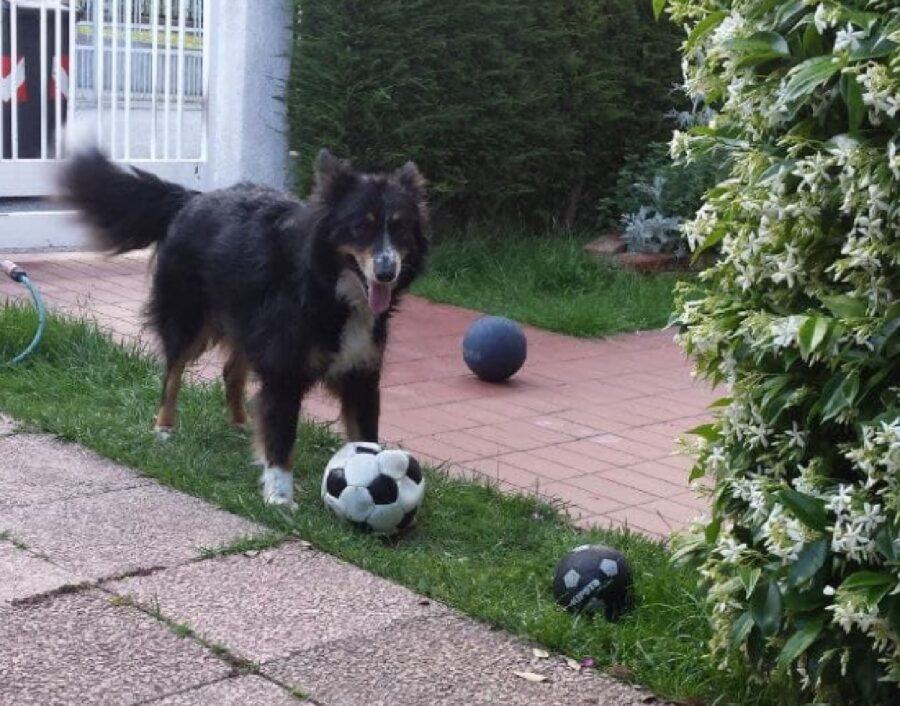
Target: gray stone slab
x=23 y=575
x=120 y=531
x=237 y=691
x=38 y=469
x=277 y=602
x=443 y=660
x=82 y=649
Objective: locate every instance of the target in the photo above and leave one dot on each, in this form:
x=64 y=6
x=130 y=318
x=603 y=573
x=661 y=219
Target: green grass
x=488 y=554
x=546 y=281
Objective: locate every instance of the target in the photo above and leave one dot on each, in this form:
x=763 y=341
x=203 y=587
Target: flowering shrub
x=800 y=318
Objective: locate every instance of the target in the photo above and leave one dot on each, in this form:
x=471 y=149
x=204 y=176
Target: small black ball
x=592 y=579
x=494 y=348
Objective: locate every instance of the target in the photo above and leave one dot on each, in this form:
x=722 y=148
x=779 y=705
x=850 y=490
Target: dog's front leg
x=360 y=405
x=279 y=412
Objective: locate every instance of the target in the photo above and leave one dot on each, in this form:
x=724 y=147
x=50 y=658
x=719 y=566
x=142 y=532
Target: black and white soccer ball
x=594 y=579
x=378 y=491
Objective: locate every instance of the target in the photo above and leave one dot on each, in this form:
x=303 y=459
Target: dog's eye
x=362 y=229
x=399 y=224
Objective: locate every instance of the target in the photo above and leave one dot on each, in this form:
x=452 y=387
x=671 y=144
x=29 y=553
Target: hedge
x=800 y=319
x=515 y=109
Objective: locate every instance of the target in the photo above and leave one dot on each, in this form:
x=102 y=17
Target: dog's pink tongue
x=379 y=297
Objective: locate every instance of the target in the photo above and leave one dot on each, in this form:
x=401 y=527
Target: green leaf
x=688 y=552
x=704 y=27
x=711 y=240
x=710 y=432
x=860 y=18
x=811 y=559
x=721 y=402
x=712 y=530
x=806 y=77
x=867 y=579
x=770 y=390
x=697 y=472
x=758 y=48
x=809 y=510
x=797 y=644
x=839 y=396
x=873 y=585
x=844 y=306
x=889 y=329
x=812 y=333
x=658 y=7
x=804 y=601
x=874 y=47
x=740 y=630
x=788 y=15
x=812 y=41
x=893 y=613
x=887 y=543
x=765 y=607
x=852 y=95
x=749 y=579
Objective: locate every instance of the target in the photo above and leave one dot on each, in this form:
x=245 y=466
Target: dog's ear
x=411 y=178
x=333 y=176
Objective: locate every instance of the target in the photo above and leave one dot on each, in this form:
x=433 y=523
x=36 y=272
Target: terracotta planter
x=606 y=245
x=649 y=262
x=612 y=245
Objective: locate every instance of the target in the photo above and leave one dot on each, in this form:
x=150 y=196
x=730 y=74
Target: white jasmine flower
x=849 y=38
x=784 y=331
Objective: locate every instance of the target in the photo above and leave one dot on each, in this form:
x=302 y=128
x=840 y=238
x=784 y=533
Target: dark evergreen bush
x=515 y=109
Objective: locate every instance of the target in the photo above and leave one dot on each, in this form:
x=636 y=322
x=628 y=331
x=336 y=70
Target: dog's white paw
x=278 y=487
x=164 y=433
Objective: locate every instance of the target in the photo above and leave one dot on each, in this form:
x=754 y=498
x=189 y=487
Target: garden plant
x=800 y=319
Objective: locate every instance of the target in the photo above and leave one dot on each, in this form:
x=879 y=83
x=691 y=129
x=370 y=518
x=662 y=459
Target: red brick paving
x=589 y=423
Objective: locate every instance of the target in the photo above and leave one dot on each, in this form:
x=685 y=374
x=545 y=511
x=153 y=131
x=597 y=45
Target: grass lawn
x=546 y=281
x=488 y=554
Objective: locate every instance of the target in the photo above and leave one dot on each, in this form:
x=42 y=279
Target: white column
x=250 y=49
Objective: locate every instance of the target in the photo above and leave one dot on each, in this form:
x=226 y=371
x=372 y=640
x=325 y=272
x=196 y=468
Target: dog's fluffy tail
x=127 y=208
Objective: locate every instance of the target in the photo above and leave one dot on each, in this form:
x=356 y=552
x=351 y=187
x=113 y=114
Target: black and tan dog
x=297 y=292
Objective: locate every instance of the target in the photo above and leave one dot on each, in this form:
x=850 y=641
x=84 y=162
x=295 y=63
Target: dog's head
x=377 y=224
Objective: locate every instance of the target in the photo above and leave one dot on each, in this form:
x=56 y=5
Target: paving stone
x=82 y=649
x=237 y=691
x=124 y=530
x=442 y=660
x=23 y=575
x=38 y=469
x=277 y=602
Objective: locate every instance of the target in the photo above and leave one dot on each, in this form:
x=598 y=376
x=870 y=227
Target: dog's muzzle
x=385 y=266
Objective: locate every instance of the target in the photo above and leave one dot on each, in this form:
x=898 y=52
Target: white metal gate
x=137 y=70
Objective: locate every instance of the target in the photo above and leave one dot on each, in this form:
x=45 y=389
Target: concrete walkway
x=111 y=593
x=588 y=423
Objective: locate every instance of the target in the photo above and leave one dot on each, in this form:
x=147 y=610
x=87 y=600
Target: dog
x=297 y=292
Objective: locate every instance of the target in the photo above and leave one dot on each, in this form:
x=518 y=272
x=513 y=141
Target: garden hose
x=17 y=274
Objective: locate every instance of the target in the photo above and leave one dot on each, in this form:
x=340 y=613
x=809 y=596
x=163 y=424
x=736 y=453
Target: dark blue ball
x=494 y=348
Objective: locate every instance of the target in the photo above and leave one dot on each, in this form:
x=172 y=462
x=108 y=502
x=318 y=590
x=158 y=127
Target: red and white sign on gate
x=60 y=73
x=13 y=80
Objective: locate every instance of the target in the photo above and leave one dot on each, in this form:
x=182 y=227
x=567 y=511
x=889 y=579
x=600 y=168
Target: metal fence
x=142 y=12
x=153 y=52
x=142 y=72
